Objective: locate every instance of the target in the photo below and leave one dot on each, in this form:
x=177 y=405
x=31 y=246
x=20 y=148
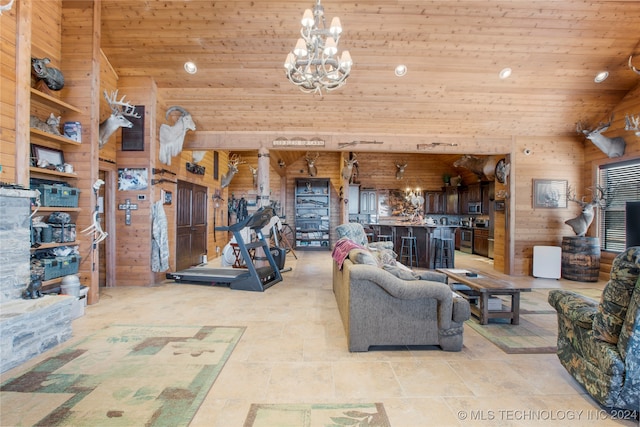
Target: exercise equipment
x=251 y=278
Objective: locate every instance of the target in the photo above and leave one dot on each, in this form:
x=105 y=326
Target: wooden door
x=191 y=224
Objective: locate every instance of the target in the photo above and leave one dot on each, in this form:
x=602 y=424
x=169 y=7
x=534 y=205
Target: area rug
x=123 y=375
x=536 y=333
x=317 y=415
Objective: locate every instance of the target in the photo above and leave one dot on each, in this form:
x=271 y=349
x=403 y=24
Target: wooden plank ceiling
x=454 y=51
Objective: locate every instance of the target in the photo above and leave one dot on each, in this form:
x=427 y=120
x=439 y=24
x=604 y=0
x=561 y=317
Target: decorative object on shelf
x=120 y=110
x=234 y=161
x=483 y=167
x=400 y=172
x=632 y=123
x=634 y=69
x=52 y=77
x=350 y=166
x=172 y=137
x=456 y=181
x=612 y=147
x=314 y=65
x=195 y=168
x=582 y=222
x=51 y=125
x=33 y=289
x=73 y=131
x=548 y=193
x=45 y=157
x=311 y=158
x=502 y=171
x=446 y=178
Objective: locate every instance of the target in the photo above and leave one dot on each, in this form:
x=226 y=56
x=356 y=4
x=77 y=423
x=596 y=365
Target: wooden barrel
x=581 y=258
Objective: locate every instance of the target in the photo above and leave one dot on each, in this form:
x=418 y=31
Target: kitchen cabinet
x=312 y=213
x=368 y=202
x=452 y=202
x=474 y=193
x=481 y=241
x=434 y=202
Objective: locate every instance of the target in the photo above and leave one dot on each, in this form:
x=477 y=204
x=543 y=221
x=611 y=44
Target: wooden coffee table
x=481 y=287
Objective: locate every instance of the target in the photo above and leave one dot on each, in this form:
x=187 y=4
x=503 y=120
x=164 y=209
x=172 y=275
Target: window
x=624 y=179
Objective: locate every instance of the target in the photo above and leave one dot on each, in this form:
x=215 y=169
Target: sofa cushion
x=362 y=256
x=401 y=272
x=616 y=296
x=386 y=257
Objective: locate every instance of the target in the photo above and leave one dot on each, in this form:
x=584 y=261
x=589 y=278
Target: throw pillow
x=401 y=272
x=386 y=257
x=362 y=256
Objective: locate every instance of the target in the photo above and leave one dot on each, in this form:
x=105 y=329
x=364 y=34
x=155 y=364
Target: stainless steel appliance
x=475 y=207
x=466 y=240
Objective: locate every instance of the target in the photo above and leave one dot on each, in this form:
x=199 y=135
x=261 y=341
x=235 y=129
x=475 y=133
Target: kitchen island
x=424 y=234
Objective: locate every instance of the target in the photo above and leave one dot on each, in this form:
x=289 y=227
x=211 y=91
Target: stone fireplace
x=28 y=327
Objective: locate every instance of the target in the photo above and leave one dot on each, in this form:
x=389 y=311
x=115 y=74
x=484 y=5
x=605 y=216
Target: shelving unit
x=43 y=102
x=312 y=213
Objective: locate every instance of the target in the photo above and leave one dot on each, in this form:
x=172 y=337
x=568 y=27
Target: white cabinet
x=368 y=202
x=354 y=199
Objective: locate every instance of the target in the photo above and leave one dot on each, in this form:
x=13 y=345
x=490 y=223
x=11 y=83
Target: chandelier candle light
x=314 y=65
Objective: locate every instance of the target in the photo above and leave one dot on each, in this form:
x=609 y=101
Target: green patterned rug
x=317 y=415
x=123 y=375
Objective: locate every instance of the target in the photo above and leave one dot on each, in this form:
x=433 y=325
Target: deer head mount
x=347 y=170
x=311 y=158
x=400 y=172
x=234 y=161
x=632 y=123
x=582 y=222
x=483 y=167
x=120 y=110
x=612 y=147
x=634 y=69
x=254 y=174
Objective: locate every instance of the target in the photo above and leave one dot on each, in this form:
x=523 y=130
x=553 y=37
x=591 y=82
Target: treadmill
x=250 y=279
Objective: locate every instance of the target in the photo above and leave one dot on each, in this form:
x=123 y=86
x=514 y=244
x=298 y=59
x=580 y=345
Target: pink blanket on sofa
x=342 y=248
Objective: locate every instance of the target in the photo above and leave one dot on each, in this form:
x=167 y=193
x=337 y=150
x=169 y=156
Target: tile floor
x=294 y=350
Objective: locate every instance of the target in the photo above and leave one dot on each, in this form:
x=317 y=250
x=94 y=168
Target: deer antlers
x=124 y=108
x=634 y=69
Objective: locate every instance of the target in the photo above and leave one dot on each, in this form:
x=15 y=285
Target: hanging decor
x=314 y=65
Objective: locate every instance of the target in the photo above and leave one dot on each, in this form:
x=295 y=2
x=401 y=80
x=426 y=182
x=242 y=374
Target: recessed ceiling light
x=601 y=76
x=190 y=67
x=401 y=70
x=505 y=73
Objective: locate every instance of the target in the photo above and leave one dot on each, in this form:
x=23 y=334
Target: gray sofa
x=378 y=308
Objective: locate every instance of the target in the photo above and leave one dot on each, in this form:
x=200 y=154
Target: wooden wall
x=8 y=68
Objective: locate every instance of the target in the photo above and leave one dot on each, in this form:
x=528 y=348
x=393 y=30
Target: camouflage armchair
x=599 y=343
x=355 y=231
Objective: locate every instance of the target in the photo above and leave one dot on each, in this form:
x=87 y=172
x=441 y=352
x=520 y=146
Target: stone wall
x=28 y=327
x=15 y=242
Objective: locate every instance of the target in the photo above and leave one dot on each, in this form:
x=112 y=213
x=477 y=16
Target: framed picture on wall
x=549 y=193
x=133 y=137
x=46 y=156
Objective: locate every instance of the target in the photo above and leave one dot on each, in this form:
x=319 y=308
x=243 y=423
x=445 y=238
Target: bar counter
x=424 y=234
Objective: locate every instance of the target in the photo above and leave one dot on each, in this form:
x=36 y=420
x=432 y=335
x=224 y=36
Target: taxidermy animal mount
x=400 y=172
x=311 y=158
x=52 y=125
x=347 y=170
x=483 y=167
x=234 y=161
x=634 y=69
x=582 y=222
x=172 y=137
x=612 y=147
x=52 y=77
x=632 y=123
x=120 y=110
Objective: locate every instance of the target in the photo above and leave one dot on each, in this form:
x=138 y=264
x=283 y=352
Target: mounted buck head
x=311 y=158
x=347 y=170
x=400 y=171
x=254 y=174
x=172 y=137
x=581 y=223
x=120 y=110
x=612 y=147
x=634 y=69
x=632 y=123
x=234 y=161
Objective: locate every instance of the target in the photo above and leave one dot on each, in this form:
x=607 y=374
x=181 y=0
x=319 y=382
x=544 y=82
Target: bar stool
x=384 y=237
x=444 y=247
x=409 y=249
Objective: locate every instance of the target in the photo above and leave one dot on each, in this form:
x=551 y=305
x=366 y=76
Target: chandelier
x=314 y=65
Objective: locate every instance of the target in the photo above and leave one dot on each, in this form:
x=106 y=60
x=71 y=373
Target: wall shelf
x=313 y=213
x=49 y=100
x=52 y=137
x=43 y=171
